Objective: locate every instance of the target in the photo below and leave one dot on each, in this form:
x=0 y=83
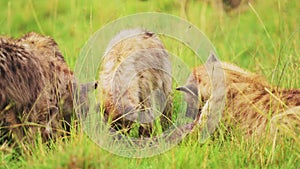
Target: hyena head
x=213 y=76
x=201 y=82
x=81 y=97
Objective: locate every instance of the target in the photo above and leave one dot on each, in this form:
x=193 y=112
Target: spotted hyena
x=36 y=87
x=135 y=81
x=251 y=103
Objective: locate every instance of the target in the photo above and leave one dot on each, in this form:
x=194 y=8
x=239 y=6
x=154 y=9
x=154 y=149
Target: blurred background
x=262 y=36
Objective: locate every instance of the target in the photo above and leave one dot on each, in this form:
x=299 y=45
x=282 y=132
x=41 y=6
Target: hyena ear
x=81 y=91
x=189 y=89
x=89 y=86
x=212 y=57
x=86 y=87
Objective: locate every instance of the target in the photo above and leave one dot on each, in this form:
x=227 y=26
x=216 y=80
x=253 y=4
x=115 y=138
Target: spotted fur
x=36 y=87
x=252 y=105
x=135 y=79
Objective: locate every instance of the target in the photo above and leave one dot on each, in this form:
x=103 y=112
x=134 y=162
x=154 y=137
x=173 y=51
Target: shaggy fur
x=135 y=81
x=251 y=103
x=36 y=87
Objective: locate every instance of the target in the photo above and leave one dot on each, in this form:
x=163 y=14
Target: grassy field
x=264 y=38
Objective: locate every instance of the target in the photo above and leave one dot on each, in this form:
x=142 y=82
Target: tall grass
x=264 y=39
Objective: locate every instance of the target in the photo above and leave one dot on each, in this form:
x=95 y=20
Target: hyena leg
x=12 y=124
x=160 y=109
x=146 y=130
x=166 y=118
x=123 y=126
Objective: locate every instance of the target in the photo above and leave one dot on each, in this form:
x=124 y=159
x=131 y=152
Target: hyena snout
x=192 y=100
x=81 y=97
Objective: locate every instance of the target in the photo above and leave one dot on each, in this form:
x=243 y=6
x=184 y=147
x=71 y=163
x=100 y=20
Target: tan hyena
x=251 y=103
x=135 y=81
x=36 y=87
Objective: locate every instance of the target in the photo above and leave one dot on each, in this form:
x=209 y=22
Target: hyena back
x=251 y=103
x=135 y=81
x=36 y=81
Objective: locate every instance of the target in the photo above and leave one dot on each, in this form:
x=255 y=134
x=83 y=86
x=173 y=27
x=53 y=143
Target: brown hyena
x=251 y=103
x=36 y=87
x=135 y=81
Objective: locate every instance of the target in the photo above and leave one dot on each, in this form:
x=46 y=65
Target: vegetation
x=262 y=37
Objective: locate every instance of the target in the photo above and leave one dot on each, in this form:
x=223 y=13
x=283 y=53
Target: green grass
x=264 y=39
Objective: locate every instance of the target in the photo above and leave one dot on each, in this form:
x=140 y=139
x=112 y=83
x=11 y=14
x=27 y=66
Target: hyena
x=135 y=81
x=252 y=105
x=230 y=5
x=36 y=87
